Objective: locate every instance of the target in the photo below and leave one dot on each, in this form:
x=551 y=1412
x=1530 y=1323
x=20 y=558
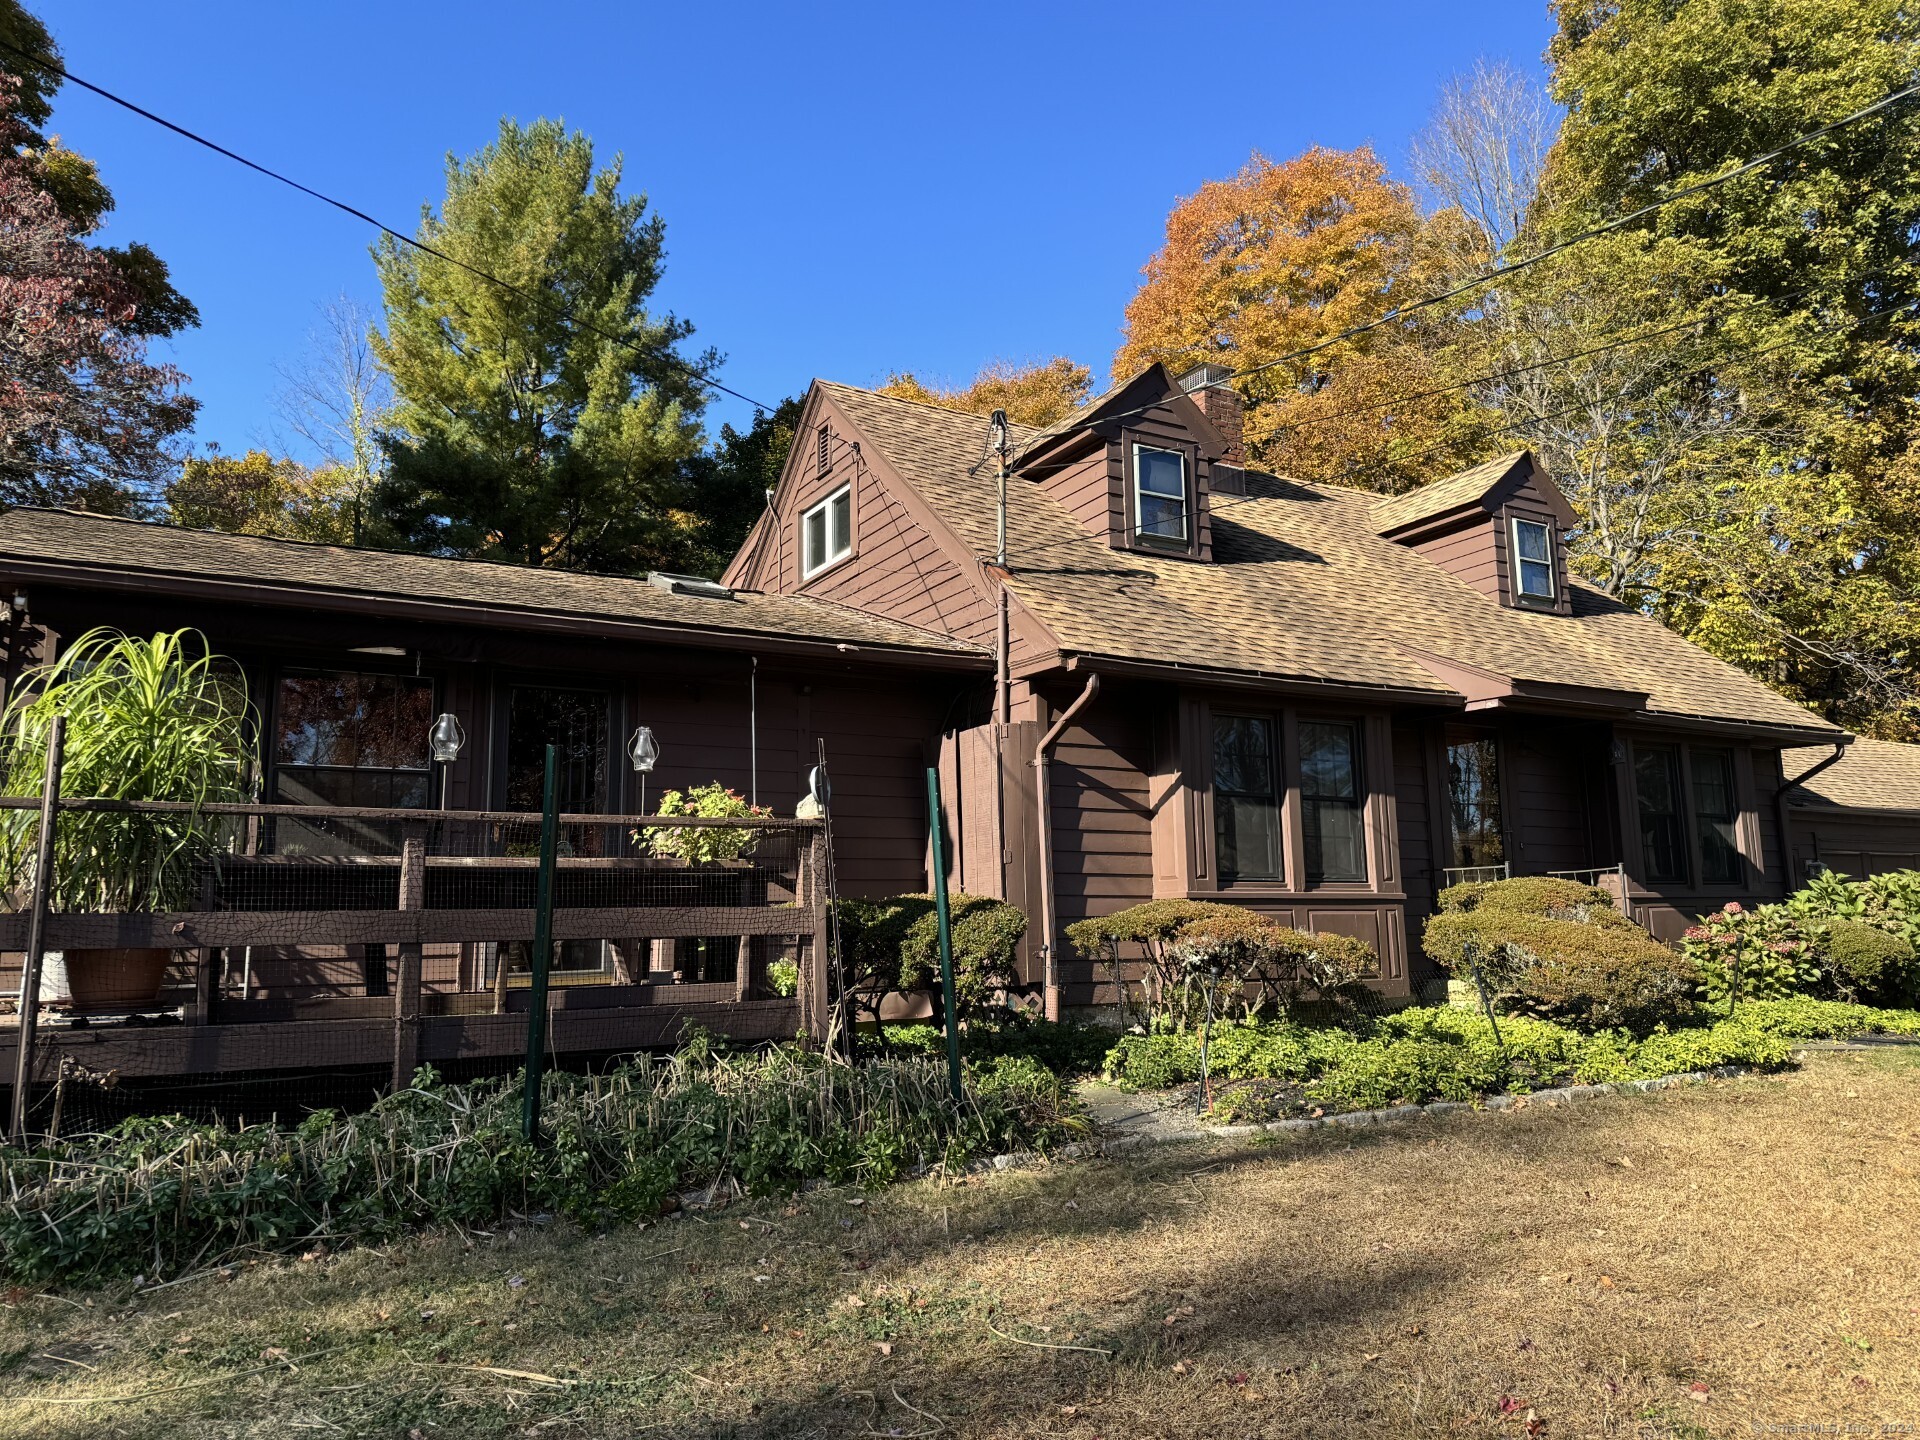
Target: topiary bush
x=1867 y=963
x=1194 y=951
x=1149 y=929
x=893 y=945
x=1559 y=950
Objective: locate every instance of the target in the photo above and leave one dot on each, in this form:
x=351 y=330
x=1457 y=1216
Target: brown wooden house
x=350 y=655
x=1315 y=701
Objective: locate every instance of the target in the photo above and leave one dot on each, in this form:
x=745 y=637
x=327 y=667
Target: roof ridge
x=875 y=394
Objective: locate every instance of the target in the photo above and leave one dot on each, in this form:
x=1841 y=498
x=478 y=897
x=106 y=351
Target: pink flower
x=1734 y=907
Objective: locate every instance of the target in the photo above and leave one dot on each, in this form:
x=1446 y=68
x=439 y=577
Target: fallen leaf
x=1181 y=1367
x=1508 y=1404
x=1699 y=1392
x=273 y=1352
x=885 y=1347
x=514 y=1282
x=1606 y=1282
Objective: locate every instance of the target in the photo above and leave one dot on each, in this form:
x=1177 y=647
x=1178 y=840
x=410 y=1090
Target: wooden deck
x=317 y=961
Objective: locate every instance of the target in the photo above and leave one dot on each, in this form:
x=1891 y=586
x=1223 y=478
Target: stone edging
x=1357 y=1119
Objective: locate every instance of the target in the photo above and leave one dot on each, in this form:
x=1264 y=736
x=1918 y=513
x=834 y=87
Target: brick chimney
x=1213 y=392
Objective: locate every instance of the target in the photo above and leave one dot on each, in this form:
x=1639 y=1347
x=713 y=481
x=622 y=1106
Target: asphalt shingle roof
x=133 y=548
x=1431 y=501
x=1301 y=586
x=1872 y=774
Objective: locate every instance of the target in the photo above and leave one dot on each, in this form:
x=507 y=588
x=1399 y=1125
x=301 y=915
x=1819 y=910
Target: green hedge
x=1450 y=1053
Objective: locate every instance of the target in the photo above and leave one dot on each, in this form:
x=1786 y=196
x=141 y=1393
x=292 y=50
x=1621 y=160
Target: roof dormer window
x=1533 y=562
x=1160 y=497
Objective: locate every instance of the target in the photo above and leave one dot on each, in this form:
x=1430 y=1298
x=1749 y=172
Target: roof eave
x=81 y=575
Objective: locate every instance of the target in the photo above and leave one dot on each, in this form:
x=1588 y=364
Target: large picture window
x=1331 y=803
x=1160 y=496
x=1663 y=836
x=1246 y=799
x=826 y=532
x=1473 y=801
x=1716 y=811
x=348 y=738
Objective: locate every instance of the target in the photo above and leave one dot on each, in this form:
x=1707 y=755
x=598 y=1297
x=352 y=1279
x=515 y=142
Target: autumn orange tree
x=1041 y=394
x=1278 y=260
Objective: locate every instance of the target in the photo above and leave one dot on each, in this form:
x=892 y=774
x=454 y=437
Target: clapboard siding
x=1102 y=823
x=1085 y=489
x=1545 y=791
x=1472 y=553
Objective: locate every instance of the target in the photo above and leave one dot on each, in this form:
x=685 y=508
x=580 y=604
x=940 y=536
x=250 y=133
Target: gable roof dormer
x=1501 y=527
x=1138 y=465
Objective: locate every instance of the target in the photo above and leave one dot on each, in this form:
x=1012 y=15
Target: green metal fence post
x=946 y=932
x=542 y=955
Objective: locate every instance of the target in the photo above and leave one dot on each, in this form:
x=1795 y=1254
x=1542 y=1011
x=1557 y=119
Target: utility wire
x=1400 y=312
x=692 y=371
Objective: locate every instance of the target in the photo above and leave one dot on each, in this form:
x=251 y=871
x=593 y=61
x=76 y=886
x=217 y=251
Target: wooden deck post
x=406 y=992
x=36 y=931
x=813 y=976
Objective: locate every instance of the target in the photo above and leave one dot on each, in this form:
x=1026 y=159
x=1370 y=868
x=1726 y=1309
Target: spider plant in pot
x=147 y=719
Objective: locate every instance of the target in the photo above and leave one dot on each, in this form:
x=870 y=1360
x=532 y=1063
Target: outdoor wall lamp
x=643 y=751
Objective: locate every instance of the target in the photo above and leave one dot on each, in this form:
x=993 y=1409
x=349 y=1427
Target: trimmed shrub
x=1065 y=1048
x=894 y=944
x=1528 y=895
x=1557 y=949
x=1247 y=960
x=1865 y=962
x=1448 y=1053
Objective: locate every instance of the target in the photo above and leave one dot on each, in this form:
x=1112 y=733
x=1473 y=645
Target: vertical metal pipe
x=753 y=732
x=542 y=955
x=36 y=929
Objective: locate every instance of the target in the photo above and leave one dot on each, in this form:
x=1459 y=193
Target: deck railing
x=319 y=935
x=1475 y=874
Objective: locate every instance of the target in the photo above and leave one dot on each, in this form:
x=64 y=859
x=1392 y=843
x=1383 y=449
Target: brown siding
x=1087 y=491
x=1471 y=552
x=1543 y=786
x=1102 y=824
x=1413 y=792
x=897 y=568
x=1858 y=846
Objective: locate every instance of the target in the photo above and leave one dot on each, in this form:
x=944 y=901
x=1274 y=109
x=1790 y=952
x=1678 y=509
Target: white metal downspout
x=1050 y=968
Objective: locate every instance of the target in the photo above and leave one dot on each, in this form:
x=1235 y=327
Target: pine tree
x=548 y=423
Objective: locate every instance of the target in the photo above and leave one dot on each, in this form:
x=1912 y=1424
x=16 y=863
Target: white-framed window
x=1533 y=561
x=1160 y=496
x=826 y=532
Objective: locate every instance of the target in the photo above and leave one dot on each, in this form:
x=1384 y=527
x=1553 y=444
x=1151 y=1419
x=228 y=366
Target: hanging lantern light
x=644 y=751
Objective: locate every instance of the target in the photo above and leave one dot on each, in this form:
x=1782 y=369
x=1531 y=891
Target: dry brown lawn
x=1731 y=1259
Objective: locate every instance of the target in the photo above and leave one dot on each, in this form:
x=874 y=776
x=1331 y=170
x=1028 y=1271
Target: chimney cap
x=1205 y=376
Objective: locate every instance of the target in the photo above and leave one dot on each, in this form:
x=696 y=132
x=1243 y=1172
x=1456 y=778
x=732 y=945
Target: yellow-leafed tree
x=1042 y=394
x=1279 y=260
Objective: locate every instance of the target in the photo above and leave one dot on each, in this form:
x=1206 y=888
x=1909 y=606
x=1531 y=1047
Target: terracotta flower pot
x=115 y=979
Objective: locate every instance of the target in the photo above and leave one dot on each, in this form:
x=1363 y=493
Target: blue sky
x=847 y=189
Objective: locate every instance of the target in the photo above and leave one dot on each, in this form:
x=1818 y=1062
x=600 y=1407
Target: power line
x=1400 y=312
x=692 y=371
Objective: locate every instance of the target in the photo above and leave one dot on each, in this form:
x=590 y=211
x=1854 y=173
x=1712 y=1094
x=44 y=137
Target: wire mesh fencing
x=414 y=929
